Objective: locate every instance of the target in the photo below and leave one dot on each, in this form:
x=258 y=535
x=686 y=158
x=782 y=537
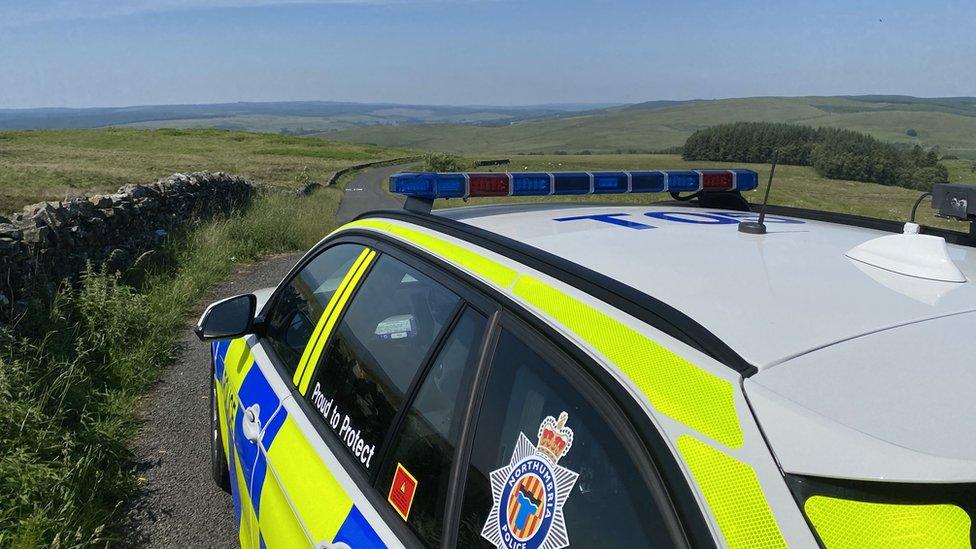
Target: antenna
x=758 y=227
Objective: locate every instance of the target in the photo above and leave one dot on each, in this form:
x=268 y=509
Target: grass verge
x=72 y=370
x=55 y=164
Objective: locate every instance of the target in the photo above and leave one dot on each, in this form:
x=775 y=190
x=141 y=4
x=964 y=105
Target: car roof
x=771 y=298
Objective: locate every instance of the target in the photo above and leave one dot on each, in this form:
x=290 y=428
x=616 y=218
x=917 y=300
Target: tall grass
x=72 y=369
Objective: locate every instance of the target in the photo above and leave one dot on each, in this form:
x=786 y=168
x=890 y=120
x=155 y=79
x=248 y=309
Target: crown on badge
x=554 y=438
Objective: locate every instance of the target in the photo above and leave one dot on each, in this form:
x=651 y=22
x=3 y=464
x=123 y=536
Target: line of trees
x=833 y=153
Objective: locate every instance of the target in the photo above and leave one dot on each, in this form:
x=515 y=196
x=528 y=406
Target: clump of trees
x=833 y=153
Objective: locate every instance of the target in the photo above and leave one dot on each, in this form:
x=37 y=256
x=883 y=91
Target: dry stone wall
x=51 y=241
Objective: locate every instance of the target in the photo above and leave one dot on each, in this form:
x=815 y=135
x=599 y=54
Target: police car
x=594 y=375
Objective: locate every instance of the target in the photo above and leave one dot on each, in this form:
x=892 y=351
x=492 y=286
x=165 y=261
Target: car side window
x=416 y=475
x=393 y=320
x=546 y=462
x=301 y=302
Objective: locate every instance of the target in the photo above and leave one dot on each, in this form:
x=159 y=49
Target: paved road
x=179 y=505
x=366 y=192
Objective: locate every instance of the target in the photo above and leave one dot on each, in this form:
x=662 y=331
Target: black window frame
x=261 y=319
x=500 y=310
x=483 y=353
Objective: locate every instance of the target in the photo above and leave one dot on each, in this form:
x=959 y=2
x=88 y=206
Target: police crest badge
x=529 y=492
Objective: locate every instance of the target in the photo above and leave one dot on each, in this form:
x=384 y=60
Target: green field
x=55 y=164
x=796 y=186
x=948 y=124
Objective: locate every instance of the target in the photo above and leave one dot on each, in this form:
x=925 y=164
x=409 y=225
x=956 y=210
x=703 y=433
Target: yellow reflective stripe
x=734 y=495
x=319 y=499
x=463 y=257
x=674 y=386
x=222 y=419
x=324 y=318
x=237 y=363
x=843 y=523
x=333 y=318
x=247 y=526
x=279 y=525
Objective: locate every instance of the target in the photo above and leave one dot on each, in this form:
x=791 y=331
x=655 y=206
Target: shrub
x=911 y=132
x=440 y=162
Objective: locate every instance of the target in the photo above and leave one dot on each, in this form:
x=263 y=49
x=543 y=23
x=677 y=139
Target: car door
x=324 y=447
x=253 y=385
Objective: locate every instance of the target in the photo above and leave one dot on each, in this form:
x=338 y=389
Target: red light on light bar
x=718 y=181
x=488 y=184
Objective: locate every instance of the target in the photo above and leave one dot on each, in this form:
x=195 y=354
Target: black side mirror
x=228 y=318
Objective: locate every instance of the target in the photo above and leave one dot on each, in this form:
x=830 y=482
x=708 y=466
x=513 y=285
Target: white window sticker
x=397 y=327
x=341 y=424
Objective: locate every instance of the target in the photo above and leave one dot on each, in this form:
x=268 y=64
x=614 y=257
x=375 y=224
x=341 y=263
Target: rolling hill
x=275 y=117
x=949 y=123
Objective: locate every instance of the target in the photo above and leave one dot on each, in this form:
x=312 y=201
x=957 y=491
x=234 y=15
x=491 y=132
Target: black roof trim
x=629 y=300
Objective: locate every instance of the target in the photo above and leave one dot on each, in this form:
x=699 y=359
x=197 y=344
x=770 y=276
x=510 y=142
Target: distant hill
x=294 y=117
x=949 y=123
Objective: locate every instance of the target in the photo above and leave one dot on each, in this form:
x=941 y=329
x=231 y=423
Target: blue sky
x=502 y=52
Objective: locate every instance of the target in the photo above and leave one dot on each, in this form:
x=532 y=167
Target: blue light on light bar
x=462 y=185
x=531 y=184
x=572 y=183
x=610 y=182
x=648 y=182
x=745 y=179
x=686 y=181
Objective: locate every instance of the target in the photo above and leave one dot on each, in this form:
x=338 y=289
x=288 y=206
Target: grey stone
x=10 y=230
x=138 y=191
x=36 y=235
x=101 y=201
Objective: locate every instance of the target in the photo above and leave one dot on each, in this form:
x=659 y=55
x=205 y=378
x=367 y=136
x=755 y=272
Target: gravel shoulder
x=178 y=504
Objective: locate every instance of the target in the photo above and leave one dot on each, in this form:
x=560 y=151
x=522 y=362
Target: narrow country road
x=367 y=192
x=178 y=504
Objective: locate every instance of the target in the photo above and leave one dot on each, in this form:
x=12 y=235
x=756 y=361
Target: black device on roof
x=956 y=201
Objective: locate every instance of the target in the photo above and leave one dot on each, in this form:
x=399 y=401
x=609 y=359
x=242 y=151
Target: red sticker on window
x=402 y=491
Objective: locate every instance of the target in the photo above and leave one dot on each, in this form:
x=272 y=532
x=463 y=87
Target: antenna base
x=752 y=227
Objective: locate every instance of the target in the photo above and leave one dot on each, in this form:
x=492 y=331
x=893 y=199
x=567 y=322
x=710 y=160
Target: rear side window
x=546 y=464
x=374 y=355
x=301 y=302
x=424 y=447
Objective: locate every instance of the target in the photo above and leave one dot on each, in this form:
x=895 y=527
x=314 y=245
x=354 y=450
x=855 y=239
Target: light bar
x=463 y=185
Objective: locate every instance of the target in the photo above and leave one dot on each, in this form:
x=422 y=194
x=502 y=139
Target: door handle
x=251 y=425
